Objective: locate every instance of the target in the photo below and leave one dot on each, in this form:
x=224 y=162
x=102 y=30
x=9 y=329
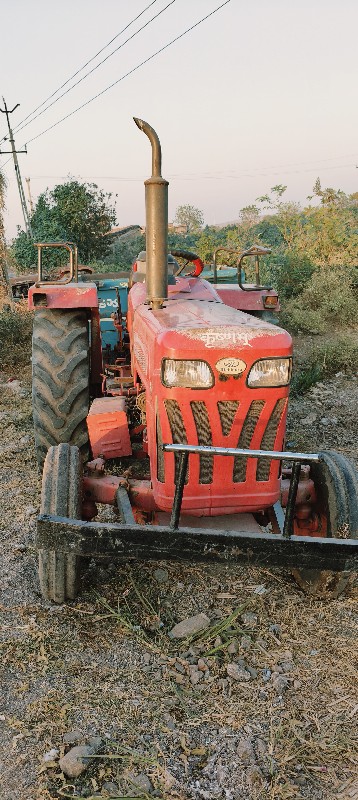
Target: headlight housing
x=270 y=372
x=186 y=374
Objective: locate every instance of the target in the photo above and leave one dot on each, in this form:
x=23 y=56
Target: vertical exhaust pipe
x=156 y=210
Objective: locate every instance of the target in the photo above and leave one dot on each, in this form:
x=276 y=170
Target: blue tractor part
x=112 y=294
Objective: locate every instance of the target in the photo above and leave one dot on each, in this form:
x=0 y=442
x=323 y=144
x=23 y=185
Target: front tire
x=336 y=484
x=61 y=496
x=60 y=380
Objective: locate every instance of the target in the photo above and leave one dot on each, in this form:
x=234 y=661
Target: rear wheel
x=62 y=496
x=336 y=484
x=60 y=379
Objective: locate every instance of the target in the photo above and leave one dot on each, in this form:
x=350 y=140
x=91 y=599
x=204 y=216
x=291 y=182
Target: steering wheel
x=190 y=257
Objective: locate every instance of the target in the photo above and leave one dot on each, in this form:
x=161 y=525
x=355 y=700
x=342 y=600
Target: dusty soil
x=170 y=711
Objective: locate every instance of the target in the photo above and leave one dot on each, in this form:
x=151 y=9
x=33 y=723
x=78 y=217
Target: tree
x=191 y=217
x=73 y=211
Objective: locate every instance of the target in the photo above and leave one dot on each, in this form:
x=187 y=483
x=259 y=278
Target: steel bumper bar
x=131 y=541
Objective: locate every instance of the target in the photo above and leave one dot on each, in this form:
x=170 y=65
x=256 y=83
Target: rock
x=72 y=737
x=233 y=647
x=202 y=665
x=218 y=641
x=248 y=618
x=287 y=666
x=147 y=658
x=111 y=789
x=253 y=672
x=279 y=682
x=187 y=627
x=76 y=760
x=245 y=751
x=195 y=675
x=275 y=628
x=245 y=642
x=140 y=781
x=95 y=742
x=254 y=775
x=266 y=675
x=309 y=420
x=51 y=755
x=237 y=673
x=161 y=575
x=297 y=684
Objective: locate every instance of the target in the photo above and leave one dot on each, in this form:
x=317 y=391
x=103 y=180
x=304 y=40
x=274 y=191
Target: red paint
x=108 y=428
x=238 y=298
x=71 y=295
x=177 y=331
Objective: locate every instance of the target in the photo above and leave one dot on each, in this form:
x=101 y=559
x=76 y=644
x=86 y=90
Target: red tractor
x=200 y=394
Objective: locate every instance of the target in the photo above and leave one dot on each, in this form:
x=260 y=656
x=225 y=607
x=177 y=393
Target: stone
x=140 y=781
x=187 y=627
x=245 y=751
x=202 y=665
x=253 y=672
x=280 y=683
x=76 y=760
x=72 y=737
x=309 y=420
x=161 y=575
x=249 y=618
x=111 y=789
x=275 y=628
x=195 y=675
x=51 y=755
x=233 y=647
x=237 y=673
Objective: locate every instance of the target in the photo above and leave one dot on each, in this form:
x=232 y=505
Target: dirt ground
x=262 y=704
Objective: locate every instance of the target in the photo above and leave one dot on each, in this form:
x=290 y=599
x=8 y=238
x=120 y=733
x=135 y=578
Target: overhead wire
x=97 y=66
x=82 y=68
x=130 y=72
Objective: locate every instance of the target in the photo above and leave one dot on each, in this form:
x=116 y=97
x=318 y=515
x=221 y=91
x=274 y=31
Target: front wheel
x=336 y=484
x=61 y=496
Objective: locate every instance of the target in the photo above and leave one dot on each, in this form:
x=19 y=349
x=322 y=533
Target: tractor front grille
x=268 y=440
x=178 y=431
x=203 y=429
x=206 y=420
x=247 y=432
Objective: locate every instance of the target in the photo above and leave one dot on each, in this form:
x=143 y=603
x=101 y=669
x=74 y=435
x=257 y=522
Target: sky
x=259 y=94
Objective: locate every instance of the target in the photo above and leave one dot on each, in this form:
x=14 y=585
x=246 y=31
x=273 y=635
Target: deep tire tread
x=60 y=364
x=60 y=495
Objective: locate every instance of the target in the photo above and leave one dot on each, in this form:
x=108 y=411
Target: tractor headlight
x=187 y=374
x=270 y=372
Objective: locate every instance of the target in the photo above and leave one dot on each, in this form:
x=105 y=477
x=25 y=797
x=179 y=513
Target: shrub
x=15 y=337
x=327 y=302
x=324 y=361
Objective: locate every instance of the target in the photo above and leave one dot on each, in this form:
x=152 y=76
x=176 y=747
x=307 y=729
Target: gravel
x=103 y=669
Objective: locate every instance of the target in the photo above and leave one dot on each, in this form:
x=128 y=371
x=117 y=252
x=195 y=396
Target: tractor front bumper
x=125 y=541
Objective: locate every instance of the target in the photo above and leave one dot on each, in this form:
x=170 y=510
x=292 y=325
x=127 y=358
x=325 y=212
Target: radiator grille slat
x=203 y=429
x=268 y=440
x=178 y=431
x=247 y=432
x=227 y=410
x=160 y=453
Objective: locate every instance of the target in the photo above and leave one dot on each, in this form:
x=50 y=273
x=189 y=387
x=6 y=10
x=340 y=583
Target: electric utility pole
x=14 y=152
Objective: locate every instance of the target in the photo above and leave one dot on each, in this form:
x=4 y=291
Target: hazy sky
x=260 y=93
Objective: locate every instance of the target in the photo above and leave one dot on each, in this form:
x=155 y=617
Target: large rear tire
x=61 y=495
x=60 y=379
x=336 y=484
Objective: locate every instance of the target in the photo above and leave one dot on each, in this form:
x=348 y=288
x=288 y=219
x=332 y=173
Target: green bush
x=15 y=338
x=324 y=361
x=327 y=302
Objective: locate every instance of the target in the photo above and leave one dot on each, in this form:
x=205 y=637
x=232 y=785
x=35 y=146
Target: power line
x=82 y=68
x=96 y=67
x=130 y=72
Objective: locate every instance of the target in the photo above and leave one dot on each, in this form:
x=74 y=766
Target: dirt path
x=278 y=723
